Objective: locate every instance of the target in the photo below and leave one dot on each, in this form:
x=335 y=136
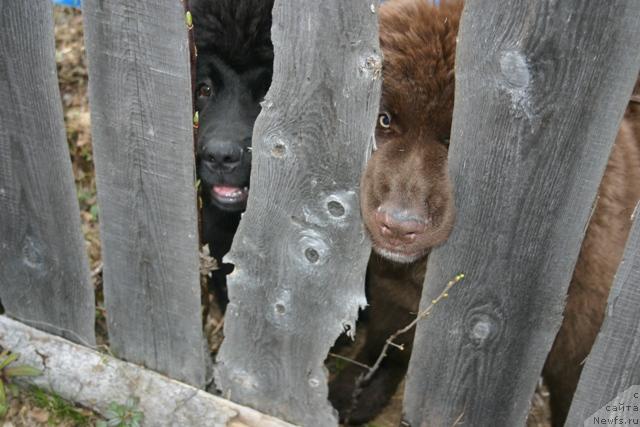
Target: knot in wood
x=482 y=330
x=280 y=308
x=338 y=206
x=482 y=326
x=311 y=255
x=283 y=312
x=335 y=208
x=372 y=67
x=515 y=79
x=312 y=248
x=515 y=69
x=278 y=148
x=33 y=253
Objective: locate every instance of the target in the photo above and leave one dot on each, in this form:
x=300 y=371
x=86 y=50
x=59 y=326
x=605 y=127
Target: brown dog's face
x=406 y=196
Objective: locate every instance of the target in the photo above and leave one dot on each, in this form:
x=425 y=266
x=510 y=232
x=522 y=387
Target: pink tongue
x=223 y=190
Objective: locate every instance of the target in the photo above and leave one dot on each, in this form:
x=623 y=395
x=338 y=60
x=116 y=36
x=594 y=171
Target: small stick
x=364 y=378
x=218 y=327
x=96 y=271
x=350 y=360
x=457 y=421
x=424 y=313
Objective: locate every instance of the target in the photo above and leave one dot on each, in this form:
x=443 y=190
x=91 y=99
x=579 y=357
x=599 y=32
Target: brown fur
x=600 y=255
x=408 y=175
x=409 y=172
x=409 y=168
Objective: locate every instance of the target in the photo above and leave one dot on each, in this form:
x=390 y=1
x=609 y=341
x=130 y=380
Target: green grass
x=60 y=409
x=125 y=415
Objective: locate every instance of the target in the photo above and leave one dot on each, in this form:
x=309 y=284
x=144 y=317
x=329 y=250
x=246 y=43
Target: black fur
x=233 y=73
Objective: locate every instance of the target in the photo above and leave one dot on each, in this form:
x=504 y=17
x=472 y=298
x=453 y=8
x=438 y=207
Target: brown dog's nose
x=399 y=224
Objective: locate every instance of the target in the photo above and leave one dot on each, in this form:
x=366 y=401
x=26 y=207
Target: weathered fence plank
x=301 y=252
x=540 y=91
x=140 y=97
x=95 y=380
x=44 y=275
x=614 y=363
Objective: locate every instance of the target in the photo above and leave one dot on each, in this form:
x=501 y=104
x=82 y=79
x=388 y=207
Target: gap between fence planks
x=614 y=362
x=140 y=98
x=301 y=251
x=95 y=380
x=540 y=91
x=44 y=273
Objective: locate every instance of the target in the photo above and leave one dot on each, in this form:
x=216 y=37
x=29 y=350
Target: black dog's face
x=228 y=105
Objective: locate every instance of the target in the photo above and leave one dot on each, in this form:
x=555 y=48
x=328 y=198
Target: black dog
x=233 y=74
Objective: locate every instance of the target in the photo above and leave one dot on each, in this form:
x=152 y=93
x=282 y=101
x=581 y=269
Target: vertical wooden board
x=614 y=362
x=140 y=97
x=44 y=274
x=540 y=91
x=301 y=251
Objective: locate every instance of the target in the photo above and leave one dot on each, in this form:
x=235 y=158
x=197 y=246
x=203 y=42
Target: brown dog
x=407 y=207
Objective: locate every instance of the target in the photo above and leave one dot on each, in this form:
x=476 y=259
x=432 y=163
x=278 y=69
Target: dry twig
x=363 y=379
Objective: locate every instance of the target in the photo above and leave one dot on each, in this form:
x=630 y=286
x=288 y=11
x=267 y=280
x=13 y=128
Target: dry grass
x=72 y=75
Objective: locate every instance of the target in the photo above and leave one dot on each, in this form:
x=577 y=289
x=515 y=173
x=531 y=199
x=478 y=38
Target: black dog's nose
x=223 y=154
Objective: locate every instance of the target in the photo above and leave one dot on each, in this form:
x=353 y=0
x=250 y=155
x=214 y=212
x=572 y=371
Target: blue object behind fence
x=70 y=3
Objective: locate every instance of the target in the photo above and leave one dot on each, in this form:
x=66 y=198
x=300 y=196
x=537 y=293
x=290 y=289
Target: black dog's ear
x=258 y=80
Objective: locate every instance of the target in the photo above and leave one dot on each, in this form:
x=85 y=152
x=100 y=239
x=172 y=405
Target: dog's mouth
x=404 y=250
x=228 y=195
x=399 y=255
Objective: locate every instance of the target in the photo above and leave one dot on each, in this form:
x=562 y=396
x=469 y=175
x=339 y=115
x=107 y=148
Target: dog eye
x=204 y=91
x=445 y=141
x=384 y=120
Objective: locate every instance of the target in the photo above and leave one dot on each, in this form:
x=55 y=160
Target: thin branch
x=350 y=360
x=424 y=313
x=365 y=378
x=458 y=420
x=218 y=327
x=97 y=271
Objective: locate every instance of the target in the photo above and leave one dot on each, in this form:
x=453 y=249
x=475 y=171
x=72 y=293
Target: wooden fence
x=553 y=94
x=525 y=168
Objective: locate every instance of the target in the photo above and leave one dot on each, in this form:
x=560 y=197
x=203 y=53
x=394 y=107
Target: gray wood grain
x=140 y=97
x=301 y=251
x=540 y=91
x=96 y=380
x=614 y=362
x=44 y=275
